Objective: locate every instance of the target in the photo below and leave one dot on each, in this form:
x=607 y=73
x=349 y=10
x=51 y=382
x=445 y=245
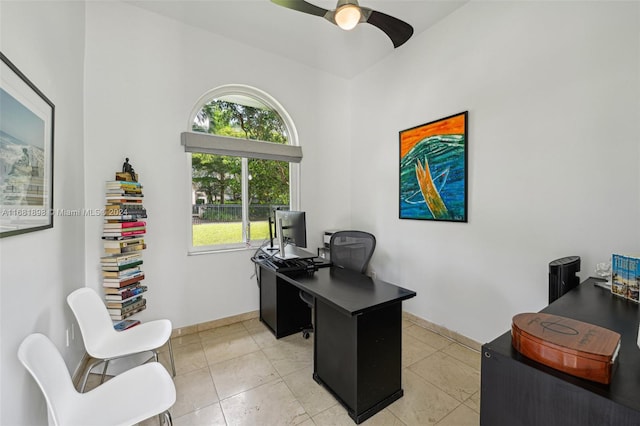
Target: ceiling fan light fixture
x=348 y=16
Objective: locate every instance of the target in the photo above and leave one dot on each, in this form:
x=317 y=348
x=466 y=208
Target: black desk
x=518 y=391
x=357 y=333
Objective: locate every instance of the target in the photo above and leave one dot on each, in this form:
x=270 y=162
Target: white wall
x=144 y=74
x=553 y=92
x=45 y=40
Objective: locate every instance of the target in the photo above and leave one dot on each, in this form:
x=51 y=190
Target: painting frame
x=433 y=170
x=27 y=119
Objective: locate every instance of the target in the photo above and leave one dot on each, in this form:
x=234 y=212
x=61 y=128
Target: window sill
x=204 y=251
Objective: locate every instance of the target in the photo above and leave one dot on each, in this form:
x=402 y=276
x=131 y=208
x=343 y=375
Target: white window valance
x=224 y=145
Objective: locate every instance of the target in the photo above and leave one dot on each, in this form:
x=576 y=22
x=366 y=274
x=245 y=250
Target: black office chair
x=349 y=250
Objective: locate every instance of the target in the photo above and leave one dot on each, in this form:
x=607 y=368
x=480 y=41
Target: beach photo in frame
x=433 y=170
x=26 y=154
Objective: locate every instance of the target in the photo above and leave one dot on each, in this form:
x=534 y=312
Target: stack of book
x=124 y=229
x=625 y=276
x=124 y=201
x=122 y=245
x=123 y=242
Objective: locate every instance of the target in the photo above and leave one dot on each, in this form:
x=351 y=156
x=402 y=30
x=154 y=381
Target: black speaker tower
x=562 y=276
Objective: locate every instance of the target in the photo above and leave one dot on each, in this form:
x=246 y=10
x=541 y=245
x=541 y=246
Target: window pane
x=217 y=208
x=268 y=189
x=245 y=118
x=217 y=180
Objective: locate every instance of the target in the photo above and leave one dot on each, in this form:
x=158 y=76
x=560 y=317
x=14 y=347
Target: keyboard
x=291 y=267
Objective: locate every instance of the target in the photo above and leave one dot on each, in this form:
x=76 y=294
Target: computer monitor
x=290 y=229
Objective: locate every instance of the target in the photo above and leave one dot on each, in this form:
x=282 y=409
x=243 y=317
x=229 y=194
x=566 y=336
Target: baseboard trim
x=443 y=331
x=196 y=328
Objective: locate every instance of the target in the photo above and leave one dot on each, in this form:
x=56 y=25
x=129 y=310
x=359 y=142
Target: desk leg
x=359 y=358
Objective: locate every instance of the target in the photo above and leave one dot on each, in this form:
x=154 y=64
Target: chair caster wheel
x=305 y=334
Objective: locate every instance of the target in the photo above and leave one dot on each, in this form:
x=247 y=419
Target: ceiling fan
x=348 y=14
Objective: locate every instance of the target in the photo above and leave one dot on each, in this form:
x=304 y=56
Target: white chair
x=129 y=398
x=104 y=343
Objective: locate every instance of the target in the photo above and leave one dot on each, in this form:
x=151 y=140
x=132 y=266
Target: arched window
x=244 y=164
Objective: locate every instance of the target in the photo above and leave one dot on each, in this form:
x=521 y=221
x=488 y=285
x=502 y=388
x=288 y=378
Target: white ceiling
x=305 y=38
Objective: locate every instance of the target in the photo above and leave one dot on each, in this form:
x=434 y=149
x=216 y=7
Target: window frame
x=294 y=168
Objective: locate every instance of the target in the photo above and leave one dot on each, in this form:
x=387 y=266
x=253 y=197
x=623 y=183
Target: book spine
x=127 y=315
x=126 y=309
x=131 y=272
x=113 y=291
x=127 y=249
x=126 y=217
x=125 y=324
x=136 y=274
x=117 y=235
x=120 y=267
x=122 y=242
x=120 y=284
x=120 y=259
x=122 y=225
x=123 y=182
x=124 y=304
x=125 y=295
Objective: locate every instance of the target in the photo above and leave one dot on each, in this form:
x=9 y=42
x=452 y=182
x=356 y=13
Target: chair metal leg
x=167 y=417
x=86 y=374
x=85 y=377
x=104 y=371
x=173 y=365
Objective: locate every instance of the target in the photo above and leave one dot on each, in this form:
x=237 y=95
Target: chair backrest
x=42 y=359
x=92 y=316
x=352 y=249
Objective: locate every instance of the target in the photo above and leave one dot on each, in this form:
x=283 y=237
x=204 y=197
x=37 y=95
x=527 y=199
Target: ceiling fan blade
x=301 y=6
x=398 y=31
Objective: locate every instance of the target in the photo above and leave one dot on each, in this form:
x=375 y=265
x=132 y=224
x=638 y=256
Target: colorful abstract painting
x=433 y=170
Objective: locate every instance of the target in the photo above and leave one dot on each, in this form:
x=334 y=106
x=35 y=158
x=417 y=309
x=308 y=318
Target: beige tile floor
x=240 y=374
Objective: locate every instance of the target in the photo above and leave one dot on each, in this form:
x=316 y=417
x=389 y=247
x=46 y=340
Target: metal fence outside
x=215 y=213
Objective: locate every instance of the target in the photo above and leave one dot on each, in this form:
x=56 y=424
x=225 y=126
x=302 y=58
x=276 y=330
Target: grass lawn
x=208 y=234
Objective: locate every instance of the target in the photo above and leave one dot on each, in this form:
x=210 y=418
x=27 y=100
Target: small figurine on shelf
x=128 y=168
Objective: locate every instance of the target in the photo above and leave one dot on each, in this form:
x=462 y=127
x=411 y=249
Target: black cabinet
x=359 y=358
x=281 y=308
x=517 y=391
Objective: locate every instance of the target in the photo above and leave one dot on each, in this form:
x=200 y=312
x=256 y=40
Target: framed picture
x=433 y=170
x=26 y=154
